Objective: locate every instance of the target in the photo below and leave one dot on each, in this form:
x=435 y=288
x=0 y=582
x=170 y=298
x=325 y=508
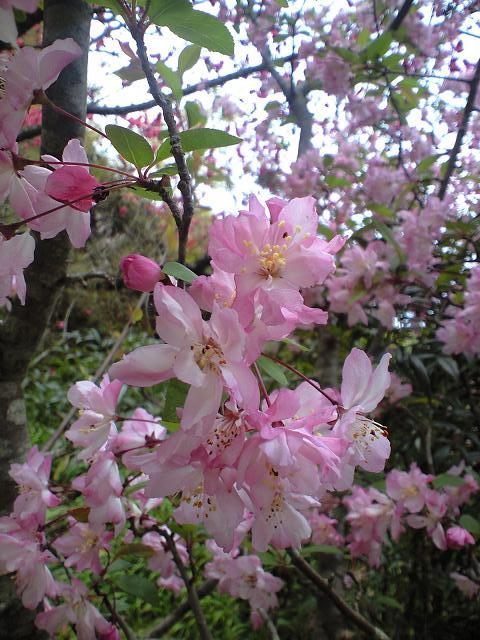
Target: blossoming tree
x=261 y=465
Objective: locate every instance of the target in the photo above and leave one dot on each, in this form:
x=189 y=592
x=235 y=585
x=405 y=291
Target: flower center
x=272 y=259
x=208 y=355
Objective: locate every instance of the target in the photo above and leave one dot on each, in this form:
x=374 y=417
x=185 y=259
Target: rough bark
x=23 y=329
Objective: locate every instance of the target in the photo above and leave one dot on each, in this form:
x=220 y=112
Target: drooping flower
x=362 y=389
x=208 y=355
x=96 y=423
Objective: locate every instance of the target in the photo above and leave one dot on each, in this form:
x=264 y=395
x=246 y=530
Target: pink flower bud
x=140 y=273
x=457 y=537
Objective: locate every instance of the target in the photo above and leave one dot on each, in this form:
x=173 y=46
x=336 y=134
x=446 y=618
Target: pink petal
x=145 y=366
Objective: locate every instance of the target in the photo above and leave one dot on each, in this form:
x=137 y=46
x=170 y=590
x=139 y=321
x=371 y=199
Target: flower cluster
x=409 y=501
x=242 y=462
x=460 y=333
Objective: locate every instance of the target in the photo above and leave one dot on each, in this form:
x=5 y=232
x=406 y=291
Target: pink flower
x=324 y=531
x=140 y=273
x=102 y=488
x=22 y=550
x=76 y=610
x=285 y=253
x=410 y=488
x=8 y=27
x=15 y=255
x=97 y=405
x=457 y=537
x=207 y=355
x=33 y=478
x=361 y=391
x=467 y=586
x=35 y=69
x=69 y=183
x=437 y=504
x=75 y=222
x=81 y=545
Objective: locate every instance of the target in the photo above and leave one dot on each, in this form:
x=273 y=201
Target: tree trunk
x=24 y=327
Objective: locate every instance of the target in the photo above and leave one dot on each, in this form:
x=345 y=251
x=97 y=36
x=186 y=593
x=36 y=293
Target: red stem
x=261 y=384
x=58 y=109
x=300 y=374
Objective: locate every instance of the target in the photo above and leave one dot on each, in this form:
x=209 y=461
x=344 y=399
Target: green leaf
x=166 y=170
x=388 y=601
x=108 y=4
x=138 y=586
x=381 y=209
x=198 y=27
x=449 y=365
x=447 y=480
x=179 y=271
x=130 y=145
x=161 y=10
x=137 y=549
x=389 y=237
x=378 y=47
x=335 y=181
x=470 y=524
x=273 y=369
x=172 y=79
x=171 y=426
x=175 y=397
x=145 y=193
x=346 y=54
x=194 y=114
x=294 y=343
x=188 y=58
x=321 y=548
x=197 y=139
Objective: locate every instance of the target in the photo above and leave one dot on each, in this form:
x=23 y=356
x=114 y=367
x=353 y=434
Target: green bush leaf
x=321 y=548
x=138 y=586
x=273 y=369
x=130 y=145
x=175 y=397
x=470 y=524
x=137 y=549
x=179 y=271
x=447 y=480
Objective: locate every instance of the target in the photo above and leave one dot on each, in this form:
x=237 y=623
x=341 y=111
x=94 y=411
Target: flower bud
x=457 y=537
x=140 y=273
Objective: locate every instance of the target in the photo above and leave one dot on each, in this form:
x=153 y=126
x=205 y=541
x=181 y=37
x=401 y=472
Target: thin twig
x=117 y=618
x=190 y=585
x=270 y=624
x=323 y=586
x=461 y=132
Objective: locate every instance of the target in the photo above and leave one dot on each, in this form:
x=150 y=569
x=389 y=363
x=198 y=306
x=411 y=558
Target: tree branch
x=323 y=586
x=194 y=88
x=461 y=132
x=401 y=15
x=185 y=182
x=94 y=109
